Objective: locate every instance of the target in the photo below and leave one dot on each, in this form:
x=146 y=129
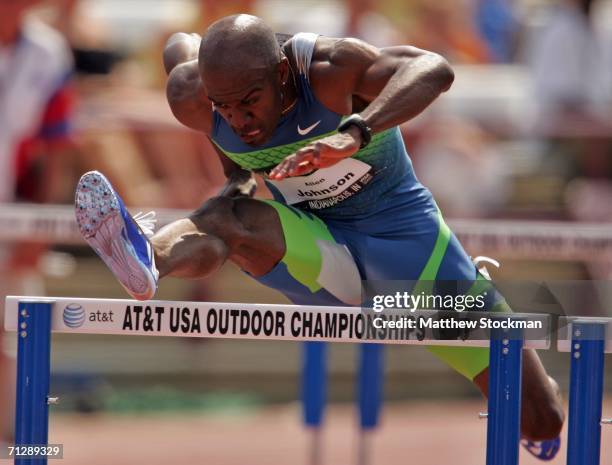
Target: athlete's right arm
x=184 y=89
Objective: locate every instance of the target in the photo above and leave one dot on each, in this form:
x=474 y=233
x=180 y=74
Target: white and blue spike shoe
x=544 y=450
x=119 y=239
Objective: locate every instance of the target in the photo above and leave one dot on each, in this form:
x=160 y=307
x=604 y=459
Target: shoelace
x=146 y=222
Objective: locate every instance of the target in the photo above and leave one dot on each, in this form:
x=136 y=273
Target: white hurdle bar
x=247 y=321
x=35 y=319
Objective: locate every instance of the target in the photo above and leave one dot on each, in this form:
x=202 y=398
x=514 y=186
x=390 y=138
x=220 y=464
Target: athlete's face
x=250 y=101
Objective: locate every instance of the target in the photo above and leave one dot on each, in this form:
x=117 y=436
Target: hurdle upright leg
x=586 y=392
x=369 y=393
x=33 y=373
x=504 y=404
x=314 y=395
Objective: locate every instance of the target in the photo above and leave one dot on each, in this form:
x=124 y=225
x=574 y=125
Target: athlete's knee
x=217 y=217
x=215 y=206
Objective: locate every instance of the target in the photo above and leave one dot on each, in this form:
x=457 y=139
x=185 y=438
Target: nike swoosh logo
x=303 y=132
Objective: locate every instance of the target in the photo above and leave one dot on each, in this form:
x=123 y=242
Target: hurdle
x=588 y=340
x=35 y=319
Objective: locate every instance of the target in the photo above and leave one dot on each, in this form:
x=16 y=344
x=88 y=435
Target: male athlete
x=347 y=206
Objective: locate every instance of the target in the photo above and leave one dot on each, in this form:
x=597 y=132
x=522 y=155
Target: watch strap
x=359 y=122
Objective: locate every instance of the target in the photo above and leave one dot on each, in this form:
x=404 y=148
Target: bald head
x=238 y=42
x=245 y=76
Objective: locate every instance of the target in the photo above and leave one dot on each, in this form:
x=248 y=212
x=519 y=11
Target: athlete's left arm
x=398 y=83
x=386 y=86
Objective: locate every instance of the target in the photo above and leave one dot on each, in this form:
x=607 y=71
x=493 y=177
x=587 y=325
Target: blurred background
x=525 y=133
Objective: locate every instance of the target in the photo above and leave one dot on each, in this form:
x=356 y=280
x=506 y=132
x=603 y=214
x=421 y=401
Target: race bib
x=325 y=187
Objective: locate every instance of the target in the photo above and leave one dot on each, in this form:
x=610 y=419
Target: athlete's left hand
x=318 y=154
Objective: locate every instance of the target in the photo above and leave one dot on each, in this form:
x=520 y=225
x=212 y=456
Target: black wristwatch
x=357 y=121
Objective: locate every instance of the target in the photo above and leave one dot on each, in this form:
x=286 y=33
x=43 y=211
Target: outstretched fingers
x=302 y=162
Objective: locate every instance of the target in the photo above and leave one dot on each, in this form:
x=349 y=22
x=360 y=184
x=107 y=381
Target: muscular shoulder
x=343 y=51
x=335 y=66
x=186 y=97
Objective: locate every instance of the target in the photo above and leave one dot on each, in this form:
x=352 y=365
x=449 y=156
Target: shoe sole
x=98 y=215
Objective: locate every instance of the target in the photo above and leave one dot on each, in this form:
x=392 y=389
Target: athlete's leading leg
x=246 y=231
x=284 y=248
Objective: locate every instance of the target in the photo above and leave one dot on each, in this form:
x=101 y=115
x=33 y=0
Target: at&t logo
x=74 y=316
